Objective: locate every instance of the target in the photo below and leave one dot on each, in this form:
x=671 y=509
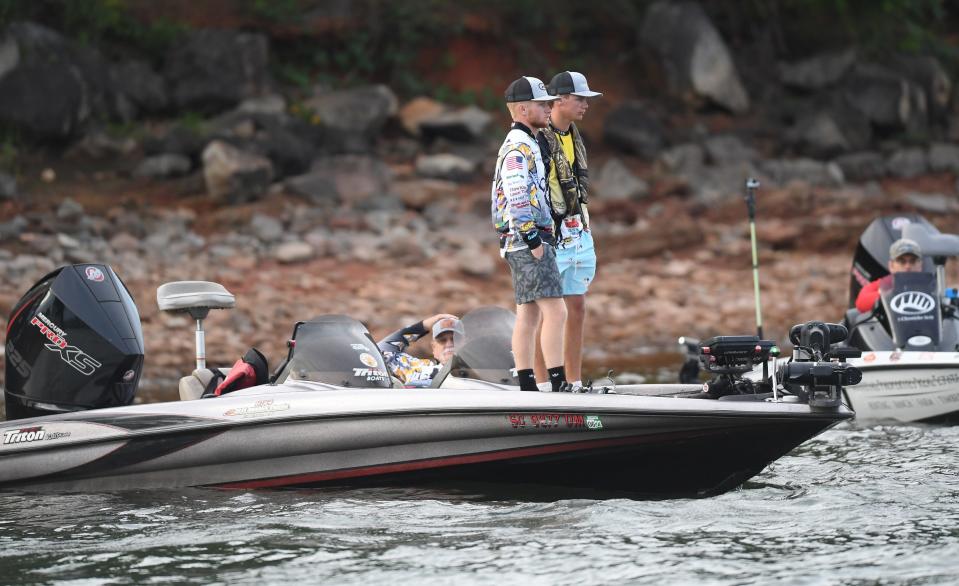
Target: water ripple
x=857 y=505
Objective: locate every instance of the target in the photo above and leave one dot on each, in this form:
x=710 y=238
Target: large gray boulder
x=235 y=176
x=445 y=166
x=615 y=181
x=354 y=117
x=723 y=149
x=862 y=166
x=138 y=83
x=944 y=157
x=693 y=54
x=50 y=87
x=929 y=74
x=278 y=136
x=632 y=128
x=212 y=70
x=829 y=126
x=356 y=181
x=887 y=99
x=783 y=171
x=907 y=163
x=465 y=124
x=818 y=71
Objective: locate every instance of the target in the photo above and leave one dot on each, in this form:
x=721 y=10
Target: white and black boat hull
x=298 y=436
x=907 y=387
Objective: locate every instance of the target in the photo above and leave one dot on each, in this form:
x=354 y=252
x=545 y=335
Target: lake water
x=857 y=505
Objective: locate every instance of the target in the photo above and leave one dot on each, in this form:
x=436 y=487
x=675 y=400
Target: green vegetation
x=194 y=122
x=394 y=42
x=9 y=153
x=878 y=27
x=100 y=23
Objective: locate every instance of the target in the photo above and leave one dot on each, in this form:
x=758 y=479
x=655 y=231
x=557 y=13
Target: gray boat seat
x=188 y=296
x=932 y=244
x=192 y=386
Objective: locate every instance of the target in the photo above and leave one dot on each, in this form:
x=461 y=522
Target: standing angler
x=568 y=189
x=521 y=215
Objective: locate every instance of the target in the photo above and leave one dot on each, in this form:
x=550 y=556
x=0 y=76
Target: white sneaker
x=546 y=387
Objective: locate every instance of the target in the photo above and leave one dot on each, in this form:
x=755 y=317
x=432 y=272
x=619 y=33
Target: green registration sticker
x=594 y=422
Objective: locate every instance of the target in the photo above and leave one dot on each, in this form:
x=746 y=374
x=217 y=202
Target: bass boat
x=331 y=415
x=910 y=339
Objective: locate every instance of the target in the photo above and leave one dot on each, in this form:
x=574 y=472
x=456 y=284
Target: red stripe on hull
x=426 y=464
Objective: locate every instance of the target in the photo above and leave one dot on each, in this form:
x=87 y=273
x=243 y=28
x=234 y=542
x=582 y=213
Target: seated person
x=905 y=256
x=419 y=372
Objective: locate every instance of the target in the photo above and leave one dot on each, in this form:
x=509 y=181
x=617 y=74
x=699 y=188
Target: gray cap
x=904 y=246
x=571 y=82
x=448 y=325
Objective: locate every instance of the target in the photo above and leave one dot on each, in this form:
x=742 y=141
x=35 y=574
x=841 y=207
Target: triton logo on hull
x=22 y=436
x=371 y=374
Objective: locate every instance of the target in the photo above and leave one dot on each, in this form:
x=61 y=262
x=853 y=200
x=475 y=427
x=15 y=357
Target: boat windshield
x=336 y=350
x=485 y=353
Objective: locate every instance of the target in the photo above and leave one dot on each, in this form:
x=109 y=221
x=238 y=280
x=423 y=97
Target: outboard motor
x=872 y=253
x=73 y=343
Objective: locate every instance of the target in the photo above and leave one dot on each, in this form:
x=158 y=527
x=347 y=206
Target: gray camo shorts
x=534 y=278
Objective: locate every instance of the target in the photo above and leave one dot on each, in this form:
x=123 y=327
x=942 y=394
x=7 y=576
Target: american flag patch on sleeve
x=514 y=163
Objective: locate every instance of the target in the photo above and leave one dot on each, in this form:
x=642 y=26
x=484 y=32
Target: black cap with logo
x=528 y=89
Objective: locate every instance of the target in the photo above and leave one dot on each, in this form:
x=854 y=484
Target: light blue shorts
x=577 y=264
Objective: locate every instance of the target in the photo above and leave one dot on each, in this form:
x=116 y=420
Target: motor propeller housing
x=818 y=368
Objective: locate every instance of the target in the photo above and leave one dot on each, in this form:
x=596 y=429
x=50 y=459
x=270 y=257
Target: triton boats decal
x=24 y=435
x=27 y=435
x=371 y=374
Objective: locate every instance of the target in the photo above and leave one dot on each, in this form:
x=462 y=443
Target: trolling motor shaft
x=752 y=185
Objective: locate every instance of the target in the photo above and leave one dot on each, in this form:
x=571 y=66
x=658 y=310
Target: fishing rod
x=751 y=186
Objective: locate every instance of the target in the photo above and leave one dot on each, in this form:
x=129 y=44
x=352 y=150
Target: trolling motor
x=818 y=370
x=815 y=374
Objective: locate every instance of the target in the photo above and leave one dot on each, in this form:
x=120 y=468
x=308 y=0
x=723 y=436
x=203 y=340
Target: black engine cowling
x=73 y=343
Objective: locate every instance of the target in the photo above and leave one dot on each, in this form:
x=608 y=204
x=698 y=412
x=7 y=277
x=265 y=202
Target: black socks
x=527 y=380
x=557 y=376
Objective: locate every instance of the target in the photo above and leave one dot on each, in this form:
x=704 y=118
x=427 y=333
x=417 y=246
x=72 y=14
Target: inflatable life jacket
x=249 y=371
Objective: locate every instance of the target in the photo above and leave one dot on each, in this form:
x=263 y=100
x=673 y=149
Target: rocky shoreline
x=306 y=201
